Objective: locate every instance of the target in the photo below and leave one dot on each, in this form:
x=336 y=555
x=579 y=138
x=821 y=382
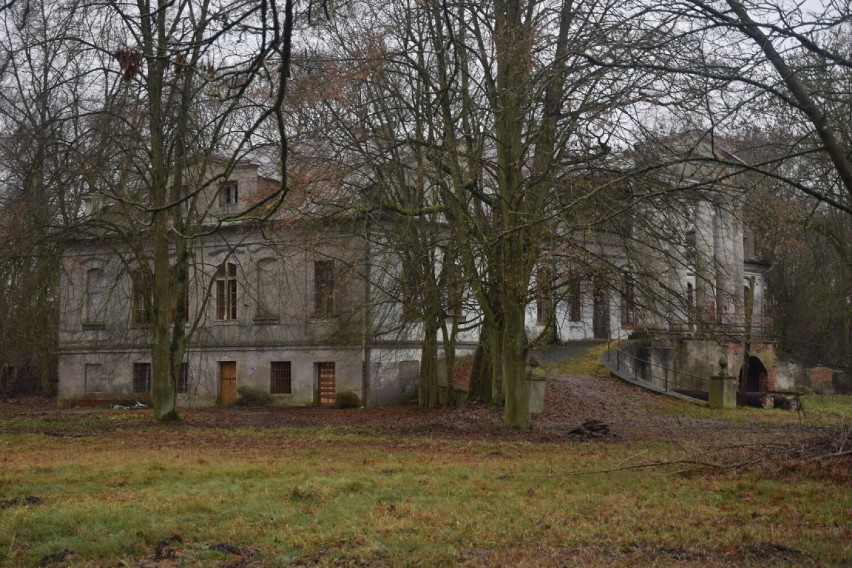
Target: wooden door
x=326 y=383
x=227 y=382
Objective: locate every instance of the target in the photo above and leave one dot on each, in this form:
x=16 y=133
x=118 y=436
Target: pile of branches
x=829 y=449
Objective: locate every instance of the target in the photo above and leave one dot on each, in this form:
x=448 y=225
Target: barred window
x=280 y=378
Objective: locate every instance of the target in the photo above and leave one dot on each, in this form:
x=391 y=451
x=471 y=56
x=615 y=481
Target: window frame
x=229 y=193
x=325 y=277
x=628 y=300
x=142 y=298
x=182 y=386
x=280 y=377
x=141 y=376
x=226 y=291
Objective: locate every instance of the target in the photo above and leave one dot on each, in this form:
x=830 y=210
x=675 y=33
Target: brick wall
x=819 y=376
x=771 y=379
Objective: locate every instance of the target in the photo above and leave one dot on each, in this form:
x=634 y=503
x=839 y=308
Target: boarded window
x=141 y=377
x=226 y=291
x=280 y=379
x=324 y=277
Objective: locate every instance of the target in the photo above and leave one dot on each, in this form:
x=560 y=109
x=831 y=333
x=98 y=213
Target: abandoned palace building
x=303 y=311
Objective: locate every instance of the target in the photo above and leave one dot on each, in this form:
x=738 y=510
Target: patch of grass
x=280 y=496
x=837 y=405
x=588 y=364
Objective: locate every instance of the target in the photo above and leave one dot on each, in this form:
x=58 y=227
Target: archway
x=757 y=375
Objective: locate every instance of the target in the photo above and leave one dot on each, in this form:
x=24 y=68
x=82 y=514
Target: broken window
x=226 y=291
x=324 y=281
x=141 y=378
x=280 y=380
x=228 y=193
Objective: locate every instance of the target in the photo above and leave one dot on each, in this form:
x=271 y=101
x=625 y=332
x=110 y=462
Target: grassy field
x=110 y=488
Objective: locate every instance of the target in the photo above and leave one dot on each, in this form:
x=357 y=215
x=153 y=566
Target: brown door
x=227 y=382
x=327 y=388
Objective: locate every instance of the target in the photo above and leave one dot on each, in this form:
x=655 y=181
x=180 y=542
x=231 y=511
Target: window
x=628 y=300
x=183 y=379
x=226 y=291
x=280 y=378
x=544 y=303
x=141 y=297
x=575 y=312
x=94 y=296
x=141 y=378
x=690 y=303
x=267 y=289
x=228 y=193
x=324 y=287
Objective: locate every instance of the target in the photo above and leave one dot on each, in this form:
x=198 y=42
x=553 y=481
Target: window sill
x=94 y=326
x=265 y=320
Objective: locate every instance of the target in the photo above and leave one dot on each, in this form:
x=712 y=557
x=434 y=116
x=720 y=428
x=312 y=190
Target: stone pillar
x=535 y=386
x=723 y=389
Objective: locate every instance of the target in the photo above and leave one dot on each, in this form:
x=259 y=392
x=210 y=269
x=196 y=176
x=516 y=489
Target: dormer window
x=228 y=193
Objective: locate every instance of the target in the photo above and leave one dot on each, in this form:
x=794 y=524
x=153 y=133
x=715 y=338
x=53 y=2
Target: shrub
x=348 y=399
x=253 y=397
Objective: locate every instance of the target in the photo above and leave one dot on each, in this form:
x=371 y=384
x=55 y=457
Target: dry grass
x=117 y=489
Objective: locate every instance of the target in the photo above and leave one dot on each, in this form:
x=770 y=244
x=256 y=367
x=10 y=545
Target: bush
x=253 y=397
x=348 y=399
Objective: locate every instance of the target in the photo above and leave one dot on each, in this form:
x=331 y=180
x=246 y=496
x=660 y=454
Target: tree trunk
x=428 y=394
x=516 y=413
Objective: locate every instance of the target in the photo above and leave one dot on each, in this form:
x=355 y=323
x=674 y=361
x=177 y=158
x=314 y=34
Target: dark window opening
x=141 y=378
x=228 y=193
x=280 y=379
x=324 y=287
